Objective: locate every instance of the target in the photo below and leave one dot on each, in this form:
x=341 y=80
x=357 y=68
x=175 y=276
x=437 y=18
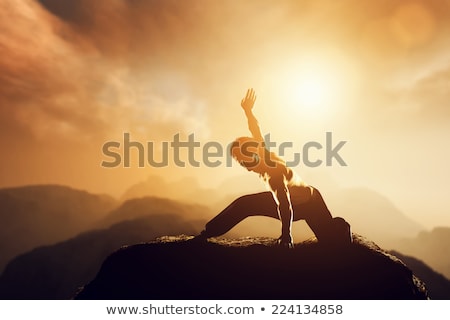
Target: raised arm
x=247 y=104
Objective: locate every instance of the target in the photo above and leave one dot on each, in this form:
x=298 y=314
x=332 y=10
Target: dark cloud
x=126 y=29
x=36 y=65
x=67 y=69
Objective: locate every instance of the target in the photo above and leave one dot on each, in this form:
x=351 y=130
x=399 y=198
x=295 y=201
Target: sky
x=75 y=75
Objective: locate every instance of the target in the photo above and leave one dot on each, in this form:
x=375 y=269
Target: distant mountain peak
x=45 y=214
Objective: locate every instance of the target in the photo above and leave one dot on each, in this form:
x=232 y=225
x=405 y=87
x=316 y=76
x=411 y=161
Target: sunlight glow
x=312 y=88
x=314 y=85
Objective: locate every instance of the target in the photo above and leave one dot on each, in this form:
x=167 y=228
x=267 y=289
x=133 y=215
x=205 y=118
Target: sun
x=313 y=86
x=311 y=91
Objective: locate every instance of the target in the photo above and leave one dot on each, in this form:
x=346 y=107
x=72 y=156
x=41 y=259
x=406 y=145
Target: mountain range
x=65 y=234
x=33 y=216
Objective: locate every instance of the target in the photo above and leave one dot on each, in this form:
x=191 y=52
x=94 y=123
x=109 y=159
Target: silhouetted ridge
x=252 y=268
x=32 y=216
x=57 y=271
x=432 y=247
x=438 y=286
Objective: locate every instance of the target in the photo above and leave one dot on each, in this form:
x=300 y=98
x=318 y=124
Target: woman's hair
x=249 y=152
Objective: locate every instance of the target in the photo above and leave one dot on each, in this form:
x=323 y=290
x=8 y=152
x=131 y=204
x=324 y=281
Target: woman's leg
x=258 y=204
x=316 y=214
x=326 y=228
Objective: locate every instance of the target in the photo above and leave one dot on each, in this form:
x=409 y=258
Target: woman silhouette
x=289 y=199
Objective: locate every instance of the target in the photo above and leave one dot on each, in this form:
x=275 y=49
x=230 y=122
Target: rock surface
x=252 y=268
x=57 y=271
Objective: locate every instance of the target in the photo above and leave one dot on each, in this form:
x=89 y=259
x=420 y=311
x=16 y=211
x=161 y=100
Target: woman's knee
x=242 y=202
x=335 y=231
x=253 y=200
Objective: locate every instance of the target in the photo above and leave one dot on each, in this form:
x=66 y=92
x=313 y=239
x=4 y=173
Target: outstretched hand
x=249 y=100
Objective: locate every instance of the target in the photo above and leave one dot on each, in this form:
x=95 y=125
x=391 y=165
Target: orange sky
x=75 y=74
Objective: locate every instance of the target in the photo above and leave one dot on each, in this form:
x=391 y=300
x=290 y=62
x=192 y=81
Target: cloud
x=32 y=67
x=86 y=68
x=430 y=96
x=75 y=75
